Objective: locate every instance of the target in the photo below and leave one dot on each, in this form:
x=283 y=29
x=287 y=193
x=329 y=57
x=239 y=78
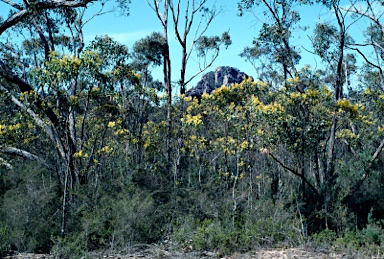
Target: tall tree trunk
x=330 y=162
x=183 y=70
x=168 y=87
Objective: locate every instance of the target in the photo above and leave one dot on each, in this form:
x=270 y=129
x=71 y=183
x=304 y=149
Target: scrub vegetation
x=97 y=155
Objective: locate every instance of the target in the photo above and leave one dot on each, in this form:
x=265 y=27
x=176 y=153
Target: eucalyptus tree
x=37 y=20
x=274 y=44
x=195 y=12
x=371 y=52
x=273 y=40
x=190 y=27
x=350 y=120
x=335 y=57
x=60 y=95
x=276 y=57
x=193 y=22
x=370 y=12
x=332 y=154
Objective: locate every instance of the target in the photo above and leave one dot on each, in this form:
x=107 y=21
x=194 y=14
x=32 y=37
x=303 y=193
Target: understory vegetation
x=96 y=155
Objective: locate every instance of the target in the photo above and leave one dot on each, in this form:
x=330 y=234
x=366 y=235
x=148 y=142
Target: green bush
x=28 y=211
x=108 y=220
x=373 y=233
x=363 y=243
x=264 y=226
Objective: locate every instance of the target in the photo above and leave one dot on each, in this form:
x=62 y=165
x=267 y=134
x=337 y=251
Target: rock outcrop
x=212 y=80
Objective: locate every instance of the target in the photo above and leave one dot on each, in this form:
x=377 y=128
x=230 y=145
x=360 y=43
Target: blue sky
x=142 y=21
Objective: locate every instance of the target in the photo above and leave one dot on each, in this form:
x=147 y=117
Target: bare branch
x=8 y=75
x=13 y=20
x=99 y=13
x=48 y=130
x=53 y=4
x=202 y=69
x=25 y=154
x=365 y=14
x=365 y=58
x=376 y=44
x=14 y=5
x=156 y=9
x=365 y=174
x=293 y=171
x=372 y=64
x=5 y=163
x=202 y=32
x=175 y=17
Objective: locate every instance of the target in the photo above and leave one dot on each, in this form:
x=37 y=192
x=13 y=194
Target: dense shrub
x=29 y=211
x=264 y=226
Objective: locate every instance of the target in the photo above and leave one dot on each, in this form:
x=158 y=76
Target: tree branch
x=52 y=4
x=5 y=163
x=48 y=130
x=366 y=173
x=25 y=154
x=294 y=172
x=372 y=64
x=14 y=5
x=365 y=14
x=8 y=75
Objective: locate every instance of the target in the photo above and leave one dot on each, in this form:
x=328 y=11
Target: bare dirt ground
x=157 y=253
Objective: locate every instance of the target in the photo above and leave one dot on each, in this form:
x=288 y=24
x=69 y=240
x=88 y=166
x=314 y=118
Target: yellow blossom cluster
x=231 y=176
x=91 y=58
x=345 y=105
x=193 y=105
x=80 y=154
x=63 y=64
x=106 y=150
x=347 y=134
x=194 y=120
x=14 y=127
x=312 y=93
x=297 y=95
x=294 y=80
x=255 y=101
x=121 y=132
x=368 y=91
x=25 y=95
x=244 y=144
x=223 y=90
x=380 y=129
x=272 y=108
x=147 y=143
x=3 y=129
x=73 y=100
x=205 y=96
x=95 y=90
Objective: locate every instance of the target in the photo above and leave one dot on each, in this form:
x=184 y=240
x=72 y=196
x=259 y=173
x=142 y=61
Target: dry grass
x=157 y=253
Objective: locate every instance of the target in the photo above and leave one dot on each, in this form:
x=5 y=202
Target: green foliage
x=325 y=35
x=244 y=167
x=23 y=206
x=356 y=243
x=373 y=233
x=362 y=243
x=205 y=44
x=100 y=224
x=149 y=50
x=264 y=226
